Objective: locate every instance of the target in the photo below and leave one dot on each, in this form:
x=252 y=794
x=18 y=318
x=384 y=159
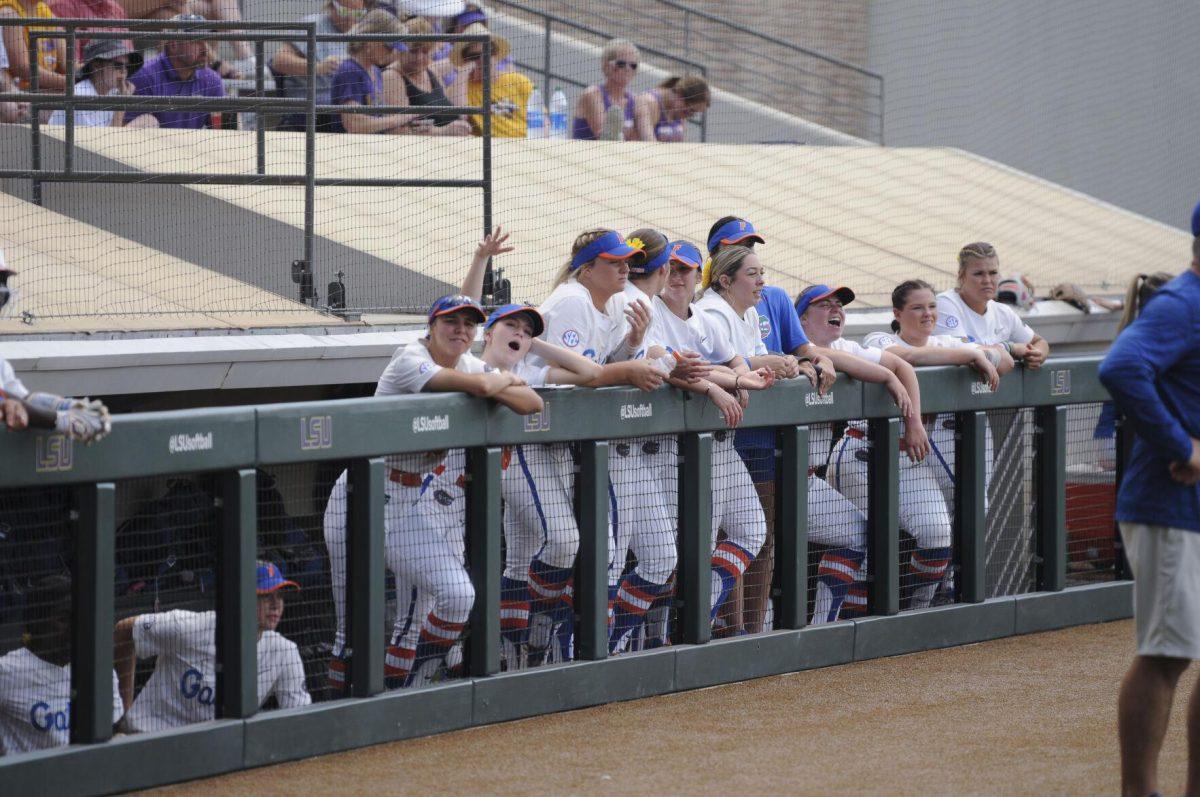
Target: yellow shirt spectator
x=510 y=95
x=51 y=62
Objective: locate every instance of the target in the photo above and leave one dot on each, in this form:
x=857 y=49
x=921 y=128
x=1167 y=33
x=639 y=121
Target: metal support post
x=591 y=587
x=791 y=527
x=92 y=613
x=970 y=504
x=364 y=573
x=883 y=504
x=546 y=34
x=237 y=601
x=693 y=576
x=310 y=154
x=69 y=111
x=489 y=285
x=35 y=124
x=1052 y=498
x=483 y=554
x=260 y=128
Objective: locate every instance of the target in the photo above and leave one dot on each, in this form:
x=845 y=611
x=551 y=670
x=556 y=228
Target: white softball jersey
x=574 y=323
x=35 y=703
x=695 y=334
x=182 y=689
x=9 y=383
x=742 y=331
x=999 y=324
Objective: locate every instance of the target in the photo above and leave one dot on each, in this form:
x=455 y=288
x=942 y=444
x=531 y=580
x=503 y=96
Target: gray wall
x=1102 y=96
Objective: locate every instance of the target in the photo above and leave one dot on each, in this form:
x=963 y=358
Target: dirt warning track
x=1027 y=715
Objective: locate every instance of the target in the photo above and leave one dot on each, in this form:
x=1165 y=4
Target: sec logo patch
x=951 y=322
x=570 y=338
x=425 y=368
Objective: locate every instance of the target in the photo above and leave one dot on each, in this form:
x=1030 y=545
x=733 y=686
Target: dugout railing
x=231 y=442
x=304 y=268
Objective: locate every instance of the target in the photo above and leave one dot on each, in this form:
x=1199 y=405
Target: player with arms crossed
x=35 y=679
x=182 y=688
x=420 y=518
x=832 y=519
x=926 y=486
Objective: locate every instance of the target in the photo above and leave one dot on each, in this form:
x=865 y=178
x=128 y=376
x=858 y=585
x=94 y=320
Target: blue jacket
x=778 y=323
x=1153 y=374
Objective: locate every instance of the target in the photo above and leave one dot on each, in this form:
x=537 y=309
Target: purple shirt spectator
x=352 y=83
x=158 y=78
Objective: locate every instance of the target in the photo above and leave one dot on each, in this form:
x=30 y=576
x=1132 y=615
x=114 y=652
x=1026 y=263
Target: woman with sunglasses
x=510 y=89
x=420 y=516
x=619 y=63
x=659 y=113
x=359 y=79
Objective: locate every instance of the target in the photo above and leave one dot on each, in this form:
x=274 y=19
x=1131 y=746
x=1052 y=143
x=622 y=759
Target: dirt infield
x=1027 y=715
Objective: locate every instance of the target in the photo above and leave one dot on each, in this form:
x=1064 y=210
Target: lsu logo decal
x=950 y=322
x=54 y=454
x=570 y=338
x=1060 y=383
x=316 y=432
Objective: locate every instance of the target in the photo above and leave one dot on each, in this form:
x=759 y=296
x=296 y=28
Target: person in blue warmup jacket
x=1153 y=374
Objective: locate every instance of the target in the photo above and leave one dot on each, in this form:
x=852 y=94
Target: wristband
x=736 y=379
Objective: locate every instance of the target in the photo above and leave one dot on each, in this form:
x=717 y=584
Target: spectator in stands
x=1153 y=374
x=659 y=113
x=86 y=9
x=970 y=311
x=51 y=58
x=510 y=90
x=242 y=64
x=359 y=79
x=10 y=111
x=290 y=63
x=153 y=9
x=410 y=80
x=35 y=679
x=180 y=71
x=107 y=66
x=619 y=63
x=471 y=14
x=182 y=689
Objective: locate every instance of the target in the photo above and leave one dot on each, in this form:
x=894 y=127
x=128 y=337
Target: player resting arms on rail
x=420 y=510
x=832 y=519
x=970 y=311
x=540 y=531
x=182 y=688
x=926 y=487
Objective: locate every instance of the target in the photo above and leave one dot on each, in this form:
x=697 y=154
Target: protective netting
x=1012 y=503
x=806 y=74
x=1091 y=492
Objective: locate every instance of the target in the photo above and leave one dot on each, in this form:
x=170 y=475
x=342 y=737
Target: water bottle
x=558 y=115
x=535 y=116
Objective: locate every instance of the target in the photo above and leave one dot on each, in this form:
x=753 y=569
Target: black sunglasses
x=472 y=56
x=620 y=64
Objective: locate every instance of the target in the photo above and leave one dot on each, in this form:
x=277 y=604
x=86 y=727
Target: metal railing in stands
x=363 y=431
x=550 y=76
x=259 y=33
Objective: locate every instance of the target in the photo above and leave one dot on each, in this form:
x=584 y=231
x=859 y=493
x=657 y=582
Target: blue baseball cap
x=733 y=232
x=456 y=303
x=270 y=578
x=610 y=246
x=469 y=17
x=399 y=47
x=685 y=254
x=531 y=312
x=1196 y=221
x=815 y=293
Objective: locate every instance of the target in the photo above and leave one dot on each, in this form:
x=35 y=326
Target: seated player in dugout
x=970 y=311
x=182 y=688
x=35 y=679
